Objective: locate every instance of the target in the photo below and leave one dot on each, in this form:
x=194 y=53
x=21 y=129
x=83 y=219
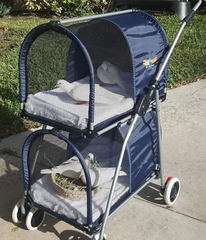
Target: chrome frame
x=67 y=21
x=111 y=194
x=37 y=152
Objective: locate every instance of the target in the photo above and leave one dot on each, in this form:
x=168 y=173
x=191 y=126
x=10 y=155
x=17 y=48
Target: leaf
x=15 y=229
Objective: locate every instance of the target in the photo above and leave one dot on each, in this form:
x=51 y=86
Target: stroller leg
x=184 y=23
x=159 y=135
x=37 y=153
x=109 y=202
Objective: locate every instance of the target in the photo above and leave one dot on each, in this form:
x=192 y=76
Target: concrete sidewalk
x=145 y=216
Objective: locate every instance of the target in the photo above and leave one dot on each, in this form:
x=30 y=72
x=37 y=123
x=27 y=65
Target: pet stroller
x=104 y=139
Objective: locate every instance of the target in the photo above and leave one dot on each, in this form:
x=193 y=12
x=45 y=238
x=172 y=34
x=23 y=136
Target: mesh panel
x=105 y=42
x=46 y=61
x=46 y=151
x=53 y=56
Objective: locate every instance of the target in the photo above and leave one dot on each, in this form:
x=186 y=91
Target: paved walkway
x=145 y=216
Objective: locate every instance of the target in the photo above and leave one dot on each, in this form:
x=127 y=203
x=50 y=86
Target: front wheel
x=16 y=213
x=172 y=190
x=96 y=237
x=34 y=218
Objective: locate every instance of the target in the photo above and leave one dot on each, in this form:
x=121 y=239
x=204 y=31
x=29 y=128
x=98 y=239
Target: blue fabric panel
x=148 y=45
x=142 y=149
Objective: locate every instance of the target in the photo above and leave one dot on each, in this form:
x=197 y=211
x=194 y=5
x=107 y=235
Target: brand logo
x=149 y=62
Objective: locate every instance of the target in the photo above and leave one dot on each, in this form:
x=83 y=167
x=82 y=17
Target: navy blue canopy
x=134 y=42
x=148 y=44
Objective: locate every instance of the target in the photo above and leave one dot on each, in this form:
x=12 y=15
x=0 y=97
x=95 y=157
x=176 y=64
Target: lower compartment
x=43 y=193
x=53 y=151
x=50 y=152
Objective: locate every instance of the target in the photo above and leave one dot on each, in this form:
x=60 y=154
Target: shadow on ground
x=152 y=193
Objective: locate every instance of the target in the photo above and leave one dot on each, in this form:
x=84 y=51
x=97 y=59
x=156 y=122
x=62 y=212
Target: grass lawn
x=12 y=33
x=187 y=64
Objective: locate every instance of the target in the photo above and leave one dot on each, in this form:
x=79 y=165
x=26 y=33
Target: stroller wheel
x=34 y=218
x=172 y=190
x=96 y=237
x=16 y=213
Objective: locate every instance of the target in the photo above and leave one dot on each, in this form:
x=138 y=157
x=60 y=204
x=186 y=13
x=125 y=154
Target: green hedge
x=71 y=8
x=12 y=34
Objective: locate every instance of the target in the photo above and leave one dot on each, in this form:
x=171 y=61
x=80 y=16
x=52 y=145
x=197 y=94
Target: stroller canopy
x=134 y=42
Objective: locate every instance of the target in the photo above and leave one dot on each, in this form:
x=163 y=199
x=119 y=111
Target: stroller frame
x=144 y=104
x=157 y=105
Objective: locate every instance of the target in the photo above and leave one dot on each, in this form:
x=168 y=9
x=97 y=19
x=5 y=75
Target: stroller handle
x=186 y=21
x=192 y=13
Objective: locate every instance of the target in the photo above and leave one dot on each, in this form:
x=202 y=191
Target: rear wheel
x=34 y=218
x=172 y=190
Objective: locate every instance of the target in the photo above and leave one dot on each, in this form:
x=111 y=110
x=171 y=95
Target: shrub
x=12 y=34
x=4 y=10
x=68 y=7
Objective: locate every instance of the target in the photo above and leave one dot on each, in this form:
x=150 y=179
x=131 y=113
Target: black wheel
x=34 y=218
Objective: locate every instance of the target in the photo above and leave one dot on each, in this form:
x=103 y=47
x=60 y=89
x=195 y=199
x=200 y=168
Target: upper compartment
x=134 y=44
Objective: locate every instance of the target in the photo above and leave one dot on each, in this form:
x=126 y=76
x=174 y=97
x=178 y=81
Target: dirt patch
x=2 y=34
x=5 y=40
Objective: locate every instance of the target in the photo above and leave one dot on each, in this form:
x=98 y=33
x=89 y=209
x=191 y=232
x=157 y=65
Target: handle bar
x=188 y=18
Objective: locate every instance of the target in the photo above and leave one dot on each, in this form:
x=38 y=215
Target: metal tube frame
x=198 y=5
x=123 y=122
x=159 y=136
x=37 y=152
x=157 y=94
x=109 y=202
x=67 y=21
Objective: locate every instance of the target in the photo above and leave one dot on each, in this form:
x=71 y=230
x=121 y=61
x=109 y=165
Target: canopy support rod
x=95 y=16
